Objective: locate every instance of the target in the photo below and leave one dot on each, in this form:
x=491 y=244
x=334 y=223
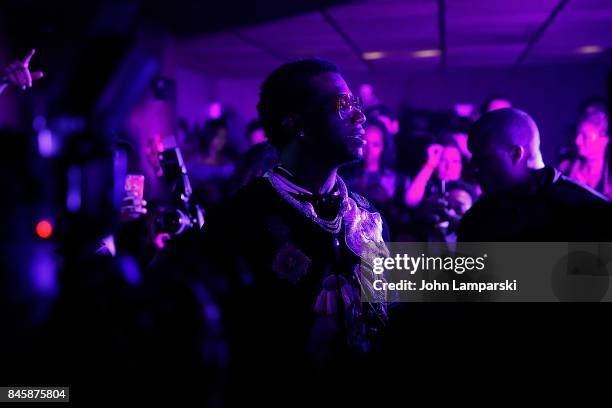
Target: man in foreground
x=300 y=237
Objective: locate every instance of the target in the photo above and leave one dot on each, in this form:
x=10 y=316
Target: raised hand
x=434 y=153
x=18 y=73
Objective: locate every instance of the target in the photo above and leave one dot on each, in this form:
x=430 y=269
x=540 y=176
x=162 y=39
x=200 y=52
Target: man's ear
x=517 y=153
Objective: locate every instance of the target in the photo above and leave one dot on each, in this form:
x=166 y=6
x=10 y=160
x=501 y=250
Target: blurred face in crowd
x=366 y=91
x=591 y=141
x=375 y=145
x=450 y=166
x=219 y=140
x=257 y=136
x=460 y=201
x=333 y=125
x=152 y=149
x=499 y=104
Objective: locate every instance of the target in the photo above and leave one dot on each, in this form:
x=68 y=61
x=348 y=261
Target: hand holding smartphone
x=133 y=205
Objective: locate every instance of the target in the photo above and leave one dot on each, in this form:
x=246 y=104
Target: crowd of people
x=420 y=178
x=230 y=260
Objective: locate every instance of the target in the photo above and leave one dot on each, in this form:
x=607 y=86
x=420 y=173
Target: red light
x=44 y=229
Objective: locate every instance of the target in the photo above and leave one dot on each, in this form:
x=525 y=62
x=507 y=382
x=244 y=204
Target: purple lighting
x=43 y=271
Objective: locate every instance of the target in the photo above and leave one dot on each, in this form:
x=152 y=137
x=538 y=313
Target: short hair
x=508 y=126
x=287 y=91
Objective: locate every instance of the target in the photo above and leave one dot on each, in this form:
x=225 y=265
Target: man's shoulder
x=573 y=192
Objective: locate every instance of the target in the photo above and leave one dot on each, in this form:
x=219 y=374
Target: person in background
x=461 y=198
x=369 y=98
x=593 y=104
x=385 y=115
x=259 y=159
x=430 y=198
x=590 y=105
x=255 y=133
x=213 y=142
x=374 y=178
x=590 y=166
x=18 y=74
x=443 y=164
x=442 y=221
x=183 y=134
x=523 y=199
x=494 y=102
x=210 y=167
x=458 y=131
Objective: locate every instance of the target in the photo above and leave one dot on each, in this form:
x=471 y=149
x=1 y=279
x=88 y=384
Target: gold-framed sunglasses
x=346 y=104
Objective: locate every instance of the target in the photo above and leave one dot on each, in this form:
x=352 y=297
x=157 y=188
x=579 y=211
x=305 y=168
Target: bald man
x=525 y=200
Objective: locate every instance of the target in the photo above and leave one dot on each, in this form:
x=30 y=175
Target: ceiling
x=412 y=36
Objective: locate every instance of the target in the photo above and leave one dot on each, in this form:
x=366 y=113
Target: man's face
x=338 y=136
x=493 y=166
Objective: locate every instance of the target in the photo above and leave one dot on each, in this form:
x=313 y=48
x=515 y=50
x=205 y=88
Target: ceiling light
x=426 y=53
x=374 y=55
x=590 y=49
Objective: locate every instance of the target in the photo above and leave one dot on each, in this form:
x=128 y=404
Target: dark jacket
x=279 y=260
x=549 y=208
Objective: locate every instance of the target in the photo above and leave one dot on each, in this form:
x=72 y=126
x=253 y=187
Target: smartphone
x=134 y=183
